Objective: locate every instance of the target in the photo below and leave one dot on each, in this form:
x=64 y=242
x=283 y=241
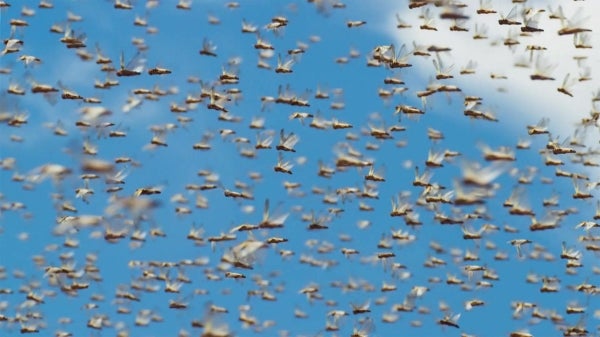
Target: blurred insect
x=401 y=24
x=485 y=7
x=133 y=68
x=509 y=19
x=442 y=72
x=208 y=48
x=531 y=21
x=451 y=321
x=428 y=21
x=542 y=70
x=71 y=40
x=284 y=67
x=573 y=25
x=539 y=128
x=358 y=23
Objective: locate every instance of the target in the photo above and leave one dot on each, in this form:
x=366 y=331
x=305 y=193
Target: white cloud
x=524 y=101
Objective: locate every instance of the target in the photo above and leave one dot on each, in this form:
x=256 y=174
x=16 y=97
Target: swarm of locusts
x=302 y=168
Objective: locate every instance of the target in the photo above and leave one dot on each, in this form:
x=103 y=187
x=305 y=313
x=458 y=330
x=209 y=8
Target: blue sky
x=176 y=47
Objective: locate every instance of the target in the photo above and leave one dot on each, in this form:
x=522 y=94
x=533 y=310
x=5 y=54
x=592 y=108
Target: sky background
x=516 y=101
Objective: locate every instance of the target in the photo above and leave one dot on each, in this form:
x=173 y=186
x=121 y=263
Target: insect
x=509 y=19
x=208 y=48
x=133 y=68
